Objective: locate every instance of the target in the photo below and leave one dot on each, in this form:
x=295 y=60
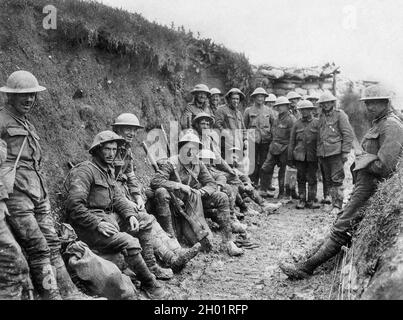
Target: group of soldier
x=209 y=177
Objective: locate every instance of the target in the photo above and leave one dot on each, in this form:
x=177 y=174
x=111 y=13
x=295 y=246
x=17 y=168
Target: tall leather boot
x=147 y=252
x=305 y=269
x=225 y=224
x=164 y=216
x=152 y=288
x=312 y=190
x=45 y=282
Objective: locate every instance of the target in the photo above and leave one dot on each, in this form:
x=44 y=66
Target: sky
x=363 y=37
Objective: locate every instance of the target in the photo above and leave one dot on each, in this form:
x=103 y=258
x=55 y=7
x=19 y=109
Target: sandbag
x=100 y=277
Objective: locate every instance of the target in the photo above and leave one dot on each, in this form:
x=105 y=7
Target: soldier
x=229 y=121
x=334 y=144
x=278 y=150
x=165 y=247
x=200 y=103
x=102 y=216
x=382 y=147
x=185 y=175
x=215 y=100
x=260 y=118
x=30 y=217
x=314 y=99
x=302 y=154
x=294 y=98
x=270 y=101
x=13 y=266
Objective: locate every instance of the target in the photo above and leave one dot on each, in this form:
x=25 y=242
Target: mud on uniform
x=278 y=151
x=384 y=139
x=302 y=151
x=261 y=120
x=335 y=138
x=30 y=217
x=13 y=266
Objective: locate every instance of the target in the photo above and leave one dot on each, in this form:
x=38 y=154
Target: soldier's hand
x=107 y=229
x=140 y=202
x=134 y=224
x=3 y=208
x=186 y=189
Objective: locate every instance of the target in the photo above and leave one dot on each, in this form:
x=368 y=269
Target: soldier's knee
x=221 y=198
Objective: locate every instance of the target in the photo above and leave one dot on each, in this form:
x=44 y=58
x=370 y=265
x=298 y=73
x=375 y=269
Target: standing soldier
x=189 y=178
x=165 y=247
x=314 y=99
x=334 y=144
x=229 y=121
x=260 y=118
x=278 y=150
x=382 y=147
x=102 y=216
x=30 y=217
x=200 y=103
x=302 y=154
x=270 y=101
x=13 y=266
x=294 y=98
x=215 y=100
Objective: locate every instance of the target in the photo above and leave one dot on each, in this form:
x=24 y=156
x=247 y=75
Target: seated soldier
x=166 y=248
x=187 y=176
x=102 y=216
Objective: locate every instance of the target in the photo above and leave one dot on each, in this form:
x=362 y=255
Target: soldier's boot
x=67 y=288
x=257 y=198
x=305 y=269
x=149 y=257
x=312 y=190
x=266 y=194
x=227 y=241
x=152 y=288
x=45 y=282
x=281 y=193
x=180 y=259
x=302 y=196
x=269 y=183
x=164 y=215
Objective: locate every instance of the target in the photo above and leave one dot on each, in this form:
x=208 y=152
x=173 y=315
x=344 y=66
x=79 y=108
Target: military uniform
x=261 y=120
x=230 y=123
x=384 y=139
x=191 y=111
x=278 y=151
x=198 y=177
x=30 y=217
x=335 y=138
x=13 y=266
x=302 y=151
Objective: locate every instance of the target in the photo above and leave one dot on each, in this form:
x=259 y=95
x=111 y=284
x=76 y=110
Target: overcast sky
x=364 y=37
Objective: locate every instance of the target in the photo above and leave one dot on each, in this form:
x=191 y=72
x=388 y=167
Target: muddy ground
x=286 y=234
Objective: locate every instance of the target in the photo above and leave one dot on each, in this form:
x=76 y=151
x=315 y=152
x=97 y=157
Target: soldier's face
x=294 y=102
x=375 y=108
x=327 y=106
x=234 y=100
x=282 y=108
x=188 y=153
x=314 y=101
x=107 y=152
x=215 y=99
x=200 y=97
x=259 y=99
x=306 y=113
x=127 y=132
x=22 y=103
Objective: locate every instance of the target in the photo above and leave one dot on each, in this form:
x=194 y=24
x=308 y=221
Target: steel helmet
x=200 y=88
x=215 y=91
x=327 y=96
x=127 y=119
x=312 y=97
x=293 y=95
x=105 y=136
x=206 y=154
x=281 y=100
x=375 y=92
x=305 y=104
x=270 y=98
x=189 y=135
x=259 y=90
x=22 y=82
x=235 y=90
x=202 y=115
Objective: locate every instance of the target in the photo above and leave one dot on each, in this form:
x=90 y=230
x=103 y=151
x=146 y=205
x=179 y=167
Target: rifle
x=164 y=134
x=196 y=226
